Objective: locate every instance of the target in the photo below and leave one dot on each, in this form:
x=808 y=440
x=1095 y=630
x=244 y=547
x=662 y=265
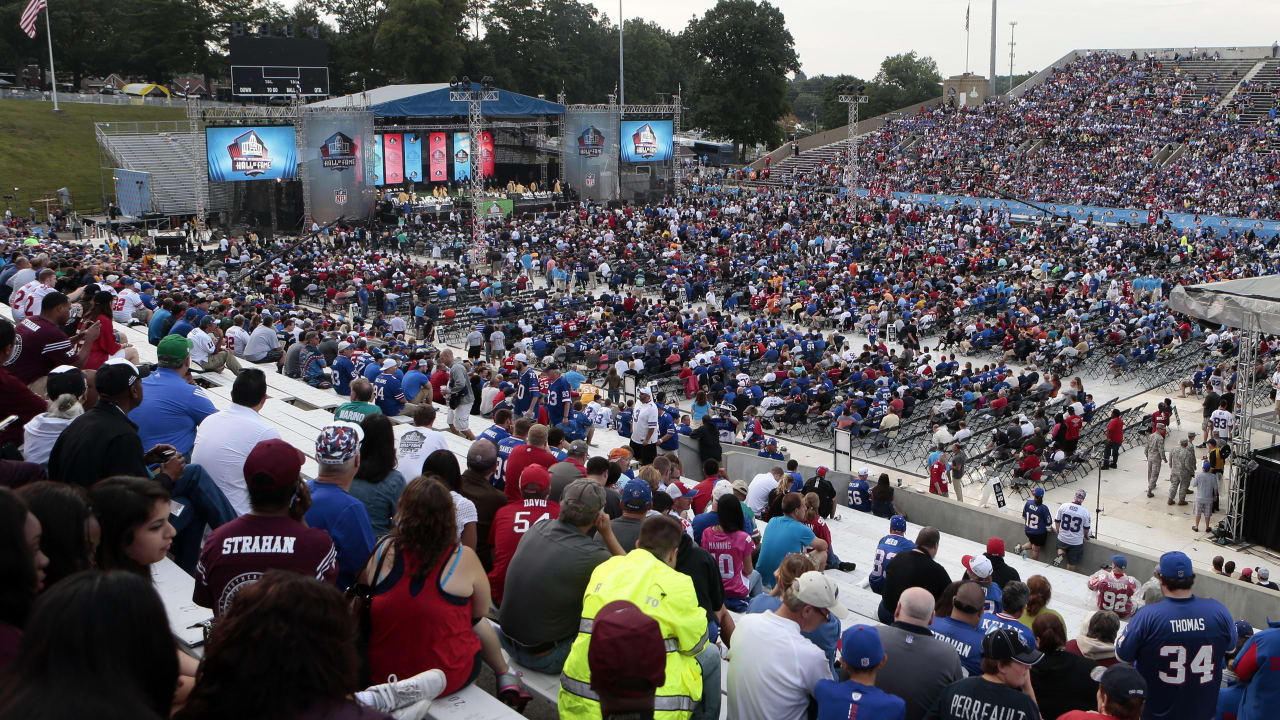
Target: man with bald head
x=961 y=629
x=482 y=460
x=919 y=666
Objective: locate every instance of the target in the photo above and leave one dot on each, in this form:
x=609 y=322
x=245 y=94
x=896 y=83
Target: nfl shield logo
x=340 y=196
x=590 y=180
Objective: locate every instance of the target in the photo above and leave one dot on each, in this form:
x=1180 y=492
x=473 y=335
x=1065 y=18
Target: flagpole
x=966 y=40
x=53 y=78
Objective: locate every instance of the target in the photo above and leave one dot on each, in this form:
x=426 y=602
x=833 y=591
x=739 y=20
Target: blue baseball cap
x=1176 y=564
x=1038 y=492
x=860 y=648
x=1119 y=561
x=636 y=495
x=1244 y=629
x=897 y=522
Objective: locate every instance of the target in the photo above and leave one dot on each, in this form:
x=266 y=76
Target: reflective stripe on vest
x=671 y=644
x=661 y=703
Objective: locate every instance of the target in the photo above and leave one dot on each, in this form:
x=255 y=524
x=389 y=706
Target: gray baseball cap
x=583 y=496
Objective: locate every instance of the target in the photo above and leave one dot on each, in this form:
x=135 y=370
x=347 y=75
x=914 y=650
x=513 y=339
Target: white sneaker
x=405 y=699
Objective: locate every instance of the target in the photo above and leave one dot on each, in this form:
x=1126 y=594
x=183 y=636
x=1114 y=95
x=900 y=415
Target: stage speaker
x=1261 y=514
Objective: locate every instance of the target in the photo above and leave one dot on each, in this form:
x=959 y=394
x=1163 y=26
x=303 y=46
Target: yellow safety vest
x=662 y=593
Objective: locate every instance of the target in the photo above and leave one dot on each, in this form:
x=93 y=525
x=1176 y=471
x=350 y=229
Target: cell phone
x=8 y=421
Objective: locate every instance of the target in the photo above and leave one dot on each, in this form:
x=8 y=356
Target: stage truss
x=673 y=109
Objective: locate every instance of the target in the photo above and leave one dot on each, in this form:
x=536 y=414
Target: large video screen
x=646 y=141
x=252 y=153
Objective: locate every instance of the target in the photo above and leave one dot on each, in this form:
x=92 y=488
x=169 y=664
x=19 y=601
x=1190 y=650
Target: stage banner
x=486 y=153
x=376 y=173
x=461 y=156
x=591 y=153
x=334 y=165
x=393 y=157
x=496 y=208
x=645 y=141
x=412 y=157
x=438 y=157
x=252 y=153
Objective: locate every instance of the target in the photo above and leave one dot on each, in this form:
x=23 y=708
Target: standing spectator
x=862 y=654
x=1004 y=688
x=956 y=467
x=1097 y=638
x=1155 y=455
x=914 y=568
x=693 y=665
x=773 y=669
x=1182 y=466
x=333 y=509
x=225 y=438
x=1072 y=524
x=1206 y=487
x=1062 y=680
x=270 y=535
x=549 y=572
x=1116 y=591
x=919 y=666
x=1178 y=645
x=1036 y=520
x=459 y=396
x=787 y=534
x=644 y=428
x=960 y=630
x=1115 y=438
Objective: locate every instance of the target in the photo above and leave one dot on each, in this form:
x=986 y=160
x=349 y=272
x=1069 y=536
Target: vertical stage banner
x=461 y=156
x=486 y=153
x=376 y=174
x=337 y=169
x=438 y=157
x=393 y=158
x=591 y=153
x=413 y=158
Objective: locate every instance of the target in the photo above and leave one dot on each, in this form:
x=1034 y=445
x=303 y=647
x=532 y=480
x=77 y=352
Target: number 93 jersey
x=1178 y=645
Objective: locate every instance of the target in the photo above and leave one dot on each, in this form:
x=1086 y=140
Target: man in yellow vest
x=647 y=577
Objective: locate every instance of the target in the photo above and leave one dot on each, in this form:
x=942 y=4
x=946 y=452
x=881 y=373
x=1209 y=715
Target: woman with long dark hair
x=70 y=531
x=377 y=483
x=98 y=645
x=443 y=464
x=107 y=345
x=882 y=498
x=134 y=516
x=286 y=649
x=432 y=599
x=22 y=566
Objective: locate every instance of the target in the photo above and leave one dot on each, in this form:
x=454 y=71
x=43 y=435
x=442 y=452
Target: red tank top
x=416 y=626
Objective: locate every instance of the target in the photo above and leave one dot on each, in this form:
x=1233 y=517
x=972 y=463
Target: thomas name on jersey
x=1186 y=625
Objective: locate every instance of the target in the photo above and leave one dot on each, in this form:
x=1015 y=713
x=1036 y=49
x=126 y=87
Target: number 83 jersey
x=1177 y=645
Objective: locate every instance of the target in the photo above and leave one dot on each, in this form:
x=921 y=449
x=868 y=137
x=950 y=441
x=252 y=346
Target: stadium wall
x=1245 y=602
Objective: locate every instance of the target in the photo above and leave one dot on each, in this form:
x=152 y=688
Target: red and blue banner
x=485 y=138
x=412 y=157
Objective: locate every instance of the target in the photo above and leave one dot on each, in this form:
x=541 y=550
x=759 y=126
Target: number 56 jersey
x=1177 y=645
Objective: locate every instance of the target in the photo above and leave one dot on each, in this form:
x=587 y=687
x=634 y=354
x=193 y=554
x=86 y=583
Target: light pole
x=622 y=83
x=473 y=96
x=851 y=170
x=1013 y=24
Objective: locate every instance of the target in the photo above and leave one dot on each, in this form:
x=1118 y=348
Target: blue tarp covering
x=437 y=104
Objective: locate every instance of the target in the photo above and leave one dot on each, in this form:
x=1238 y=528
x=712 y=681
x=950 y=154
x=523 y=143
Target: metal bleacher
x=168 y=157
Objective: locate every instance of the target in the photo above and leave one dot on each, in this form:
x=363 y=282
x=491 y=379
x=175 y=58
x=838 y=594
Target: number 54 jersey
x=1177 y=645
x=510 y=524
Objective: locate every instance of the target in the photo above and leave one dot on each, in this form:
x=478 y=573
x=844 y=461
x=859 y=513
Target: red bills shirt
x=239 y=552
x=510 y=524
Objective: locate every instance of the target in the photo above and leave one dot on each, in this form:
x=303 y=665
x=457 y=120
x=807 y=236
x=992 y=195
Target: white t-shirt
x=1073 y=523
x=758 y=491
x=202 y=345
x=1221 y=421
x=773 y=669
x=123 y=307
x=646 y=418
x=413 y=449
x=465 y=510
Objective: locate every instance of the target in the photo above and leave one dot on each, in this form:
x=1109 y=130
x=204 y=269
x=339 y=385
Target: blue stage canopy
x=436 y=103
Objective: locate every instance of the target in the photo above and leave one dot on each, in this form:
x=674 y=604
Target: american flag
x=966 y=14
x=28 y=21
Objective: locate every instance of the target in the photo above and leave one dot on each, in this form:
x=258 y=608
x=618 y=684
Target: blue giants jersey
x=860 y=496
x=1178 y=646
x=526 y=390
x=557 y=395
x=889 y=547
x=851 y=699
x=505 y=446
x=1036 y=518
x=1259 y=664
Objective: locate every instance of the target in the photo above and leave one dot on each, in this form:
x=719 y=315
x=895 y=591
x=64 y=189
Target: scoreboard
x=279 y=67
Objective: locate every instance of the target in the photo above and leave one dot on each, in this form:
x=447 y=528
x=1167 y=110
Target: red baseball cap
x=534 y=479
x=273 y=464
x=995 y=546
x=627 y=656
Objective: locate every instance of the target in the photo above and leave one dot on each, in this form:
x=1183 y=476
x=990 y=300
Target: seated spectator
x=1097 y=638
x=787 y=534
x=225 y=438
x=67 y=391
x=443 y=465
x=1002 y=690
x=513 y=520
x=377 y=484
x=732 y=548
x=826 y=635
x=627 y=657
x=68 y=528
x=862 y=654
x=440 y=625
x=15 y=398
x=960 y=628
x=24 y=571
x=1062 y=680
x=206 y=340
x=549 y=572
x=773 y=670
x=1122 y=692
x=482 y=460
x=919 y=666
x=171 y=408
x=1038 y=601
x=1014 y=599
x=333 y=509
x=913 y=568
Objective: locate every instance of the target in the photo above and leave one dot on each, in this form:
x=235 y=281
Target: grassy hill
x=41 y=152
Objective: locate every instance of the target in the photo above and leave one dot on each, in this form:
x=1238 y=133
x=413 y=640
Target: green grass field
x=41 y=151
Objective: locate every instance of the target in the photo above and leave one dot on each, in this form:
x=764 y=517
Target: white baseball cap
x=979 y=565
x=721 y=488
x=814 y=588
x=521 y=358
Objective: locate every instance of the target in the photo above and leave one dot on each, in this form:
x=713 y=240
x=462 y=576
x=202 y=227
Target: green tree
x=421 y=40
x=903 y=80
x=541 y=46
x=741 y=91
